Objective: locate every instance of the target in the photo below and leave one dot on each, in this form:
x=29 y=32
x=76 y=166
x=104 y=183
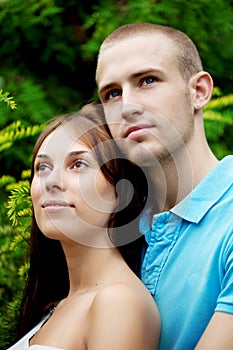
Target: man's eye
x=148 y=81
x=113 y=94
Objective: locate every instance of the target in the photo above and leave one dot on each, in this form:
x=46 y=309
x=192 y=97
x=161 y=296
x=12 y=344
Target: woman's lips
x=56 y=205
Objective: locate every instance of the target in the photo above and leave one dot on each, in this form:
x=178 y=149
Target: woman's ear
x=202 y=88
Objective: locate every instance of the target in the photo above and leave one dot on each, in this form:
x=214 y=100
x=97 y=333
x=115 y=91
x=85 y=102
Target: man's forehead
x=134 y=55
x=156 y=41
x=144 y=36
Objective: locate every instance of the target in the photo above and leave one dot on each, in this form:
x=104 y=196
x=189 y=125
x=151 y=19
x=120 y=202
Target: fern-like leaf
x=4 y=97
x=6 y=180
x=18 y=202
x=16 y=131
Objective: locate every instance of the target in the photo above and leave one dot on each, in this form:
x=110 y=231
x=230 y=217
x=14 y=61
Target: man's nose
x=131 y=111
x=131 y=106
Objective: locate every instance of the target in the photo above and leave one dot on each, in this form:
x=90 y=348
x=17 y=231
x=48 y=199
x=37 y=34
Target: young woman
x=82 y=291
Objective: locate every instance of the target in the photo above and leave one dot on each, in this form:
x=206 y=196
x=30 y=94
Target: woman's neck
x=90 y=268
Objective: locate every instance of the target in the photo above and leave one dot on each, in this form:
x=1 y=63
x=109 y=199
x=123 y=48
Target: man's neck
x=174 y=179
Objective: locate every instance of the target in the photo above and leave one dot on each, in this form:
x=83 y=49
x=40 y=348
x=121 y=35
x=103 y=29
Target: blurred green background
x=48 y=52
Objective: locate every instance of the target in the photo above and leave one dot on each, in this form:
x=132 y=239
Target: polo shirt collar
x=194 y=206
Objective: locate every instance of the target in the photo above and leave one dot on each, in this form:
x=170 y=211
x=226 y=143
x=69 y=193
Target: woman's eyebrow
x=77 y=153
x=71 y=154
x=42 y=155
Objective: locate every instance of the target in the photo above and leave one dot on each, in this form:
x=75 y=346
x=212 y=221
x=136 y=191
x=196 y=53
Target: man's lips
x=136 y=131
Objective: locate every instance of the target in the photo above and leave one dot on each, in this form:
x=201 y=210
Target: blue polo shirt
x=188 y=265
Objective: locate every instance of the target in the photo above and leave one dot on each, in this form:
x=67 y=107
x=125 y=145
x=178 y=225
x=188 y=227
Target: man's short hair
x=187 y=57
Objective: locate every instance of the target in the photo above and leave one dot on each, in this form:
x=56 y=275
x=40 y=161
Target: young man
x=153 y=88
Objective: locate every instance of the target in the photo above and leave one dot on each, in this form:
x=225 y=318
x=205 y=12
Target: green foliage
x=9 y=316
x=5 y=180
x=218 y=117
x=25 y=20
x=40 y=41
x=7 y=99
x=31 y=99
x=13 y=237
x=34 y=108
x=16 y=131
x=13 y=251
x=14 y=159
x=11 y=282
x=19 y=205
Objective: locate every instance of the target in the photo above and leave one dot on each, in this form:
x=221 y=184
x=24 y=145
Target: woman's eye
x=79 y=164
x=41 y=167
x=148 y=81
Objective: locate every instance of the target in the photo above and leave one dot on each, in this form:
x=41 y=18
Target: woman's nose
x=53 y=187
x=54 y=182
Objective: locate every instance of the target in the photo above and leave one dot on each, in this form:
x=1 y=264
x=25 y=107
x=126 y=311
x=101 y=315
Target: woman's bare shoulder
x=122 y=293
x=129 y=309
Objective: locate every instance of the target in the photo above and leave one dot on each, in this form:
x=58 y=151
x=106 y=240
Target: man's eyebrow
x=145 y=71
x=106 y=87
x=138 y=74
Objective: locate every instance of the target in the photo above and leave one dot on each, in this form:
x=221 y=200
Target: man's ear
x=202 y=88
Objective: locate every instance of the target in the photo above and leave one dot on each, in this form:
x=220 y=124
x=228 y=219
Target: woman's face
x=71 y=197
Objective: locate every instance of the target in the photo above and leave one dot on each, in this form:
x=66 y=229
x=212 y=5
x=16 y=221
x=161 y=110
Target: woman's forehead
x=62 y=140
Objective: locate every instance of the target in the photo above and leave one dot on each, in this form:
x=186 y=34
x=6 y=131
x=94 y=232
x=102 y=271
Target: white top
x=23 y=343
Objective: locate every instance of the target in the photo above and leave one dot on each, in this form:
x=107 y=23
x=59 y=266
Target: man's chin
x=137 y=152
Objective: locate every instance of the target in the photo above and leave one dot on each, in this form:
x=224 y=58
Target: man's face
x=146 y=100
